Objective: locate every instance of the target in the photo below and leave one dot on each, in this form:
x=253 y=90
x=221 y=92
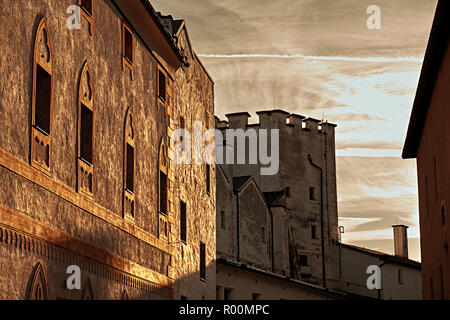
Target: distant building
x=87 y=176
x=400 y=276
x=428 y=141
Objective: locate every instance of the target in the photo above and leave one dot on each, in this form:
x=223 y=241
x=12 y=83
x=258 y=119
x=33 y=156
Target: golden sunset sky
x=318 y=58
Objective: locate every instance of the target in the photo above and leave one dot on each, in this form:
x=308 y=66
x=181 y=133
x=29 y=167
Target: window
x=312 y=194
x=202 y=261
x=443 y=214
x=303 y=260
x=129 y=168
x=162 y=92
x=223 y=220
x=87 y=12
x=306 y=276
x=208 y=179
x=183 y=298
x=42 y=100
x=127 y=48
x=227 y=294
x=256 y=296
x=183 y=127
x=85 y=133
x=163 y=193
x=314 y=232
x=183 y=222
x=288 y=192
x=87 y=6
x=400 y=276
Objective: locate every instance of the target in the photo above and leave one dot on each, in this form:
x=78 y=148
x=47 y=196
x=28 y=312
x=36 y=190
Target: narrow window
x=85 y=133
x=303 y=260
x=163 y=193
x=42 y=100
x=202 y=261
x=314 y=232
x=223 y=220
x=183 y=222
x=87 y=6
x=129 y=167
x=183 y=127
x=127 y=48
x=208 y=179
x=162 y=86
x=288 y=192
x=227 y=294
x=312 y=195
x=400 y=276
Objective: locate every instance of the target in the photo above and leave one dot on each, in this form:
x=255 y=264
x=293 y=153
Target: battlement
x=276 y=119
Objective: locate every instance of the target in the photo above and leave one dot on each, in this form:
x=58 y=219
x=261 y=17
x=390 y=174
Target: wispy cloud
x=318 y=58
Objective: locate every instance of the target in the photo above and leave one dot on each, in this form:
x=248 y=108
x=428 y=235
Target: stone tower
x=302 y=194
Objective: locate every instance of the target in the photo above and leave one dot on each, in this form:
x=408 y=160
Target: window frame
x=126 y=63
x=202 y=262
x=89 y=16
x=38 y=136
x=183 y=222
x=85 y=168
x=129 y=196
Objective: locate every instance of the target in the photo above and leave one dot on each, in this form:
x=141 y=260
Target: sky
x=318 y=58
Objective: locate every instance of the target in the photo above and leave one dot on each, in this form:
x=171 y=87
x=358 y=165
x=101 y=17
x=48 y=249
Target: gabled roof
x=273 y=197
x=385 y=257
x=240 y=182
x=436 y=49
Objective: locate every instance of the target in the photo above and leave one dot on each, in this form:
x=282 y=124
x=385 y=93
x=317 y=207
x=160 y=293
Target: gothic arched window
x=129 y=168
x=41 y=142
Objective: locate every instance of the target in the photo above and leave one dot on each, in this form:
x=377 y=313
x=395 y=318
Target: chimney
x=401 y=241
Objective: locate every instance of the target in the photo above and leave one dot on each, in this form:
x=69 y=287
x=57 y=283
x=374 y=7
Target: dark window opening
x=128 y=45
x=183 y=222
x=263 y=235
x=303 y=260
x=183 y=127
x=255 y=296
x=288 y=192
x=400 y=277
x=162 y=86
x=130 y=168
x=314 y=233
x=202 y=261
x=163 y=193
x=227 y=294
x=86 y=134
x=208 y=178
x=443 y=215
x=306 y=276
x=312 y=193
x=183 y=298
x=43 y=100
x=87 y=6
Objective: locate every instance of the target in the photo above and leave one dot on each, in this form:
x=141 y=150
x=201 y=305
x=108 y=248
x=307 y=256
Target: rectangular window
x=163 y=193
x=208 y=179
x=43 y=99
x=255 y=296
x=400 y=276
x=86 y=134
x=162 y=92
x=130 y=168
x=223 y=220
x=288 y=192
x=312 y=194
x=183 y=127
x=303 y=260
x=87 y=6
x=183 y=222
x=202 y=261
x=128 y=43
x=227 y=294
x=314 y=232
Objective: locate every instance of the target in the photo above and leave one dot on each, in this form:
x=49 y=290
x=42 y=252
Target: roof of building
x=239 y=182
x=386 y=257
x=273 y=197
x=436 y=49
x=319 y=289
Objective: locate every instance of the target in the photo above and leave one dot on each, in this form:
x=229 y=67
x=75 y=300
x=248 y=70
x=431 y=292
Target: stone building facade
x=285 y=223
x=87 y=177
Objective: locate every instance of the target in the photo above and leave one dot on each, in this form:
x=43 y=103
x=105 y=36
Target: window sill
x=203 y=280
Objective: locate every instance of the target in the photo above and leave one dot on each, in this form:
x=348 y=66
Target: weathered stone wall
x=57 y=204
x=300 y=142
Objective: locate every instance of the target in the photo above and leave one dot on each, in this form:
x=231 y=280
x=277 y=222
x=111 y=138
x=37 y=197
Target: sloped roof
x=436 y=49
x=239 y=182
